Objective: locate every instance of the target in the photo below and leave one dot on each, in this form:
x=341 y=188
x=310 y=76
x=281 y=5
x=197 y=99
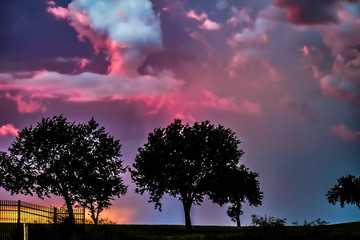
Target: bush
x=317 y=222
x=259 y=221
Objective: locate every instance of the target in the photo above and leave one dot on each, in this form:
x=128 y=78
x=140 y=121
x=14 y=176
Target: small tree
x=236 y=186
x=102 y=181
x=234 y=212
x=65 y=159
x=346 y=191
x=180 y=160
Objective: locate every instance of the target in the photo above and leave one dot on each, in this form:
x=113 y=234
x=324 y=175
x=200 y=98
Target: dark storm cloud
x=309 y=12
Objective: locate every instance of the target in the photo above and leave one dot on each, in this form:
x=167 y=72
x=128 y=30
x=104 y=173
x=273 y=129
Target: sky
x=283 y=74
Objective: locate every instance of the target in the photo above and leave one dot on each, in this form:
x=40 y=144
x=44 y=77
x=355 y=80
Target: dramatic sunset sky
x=283 y=74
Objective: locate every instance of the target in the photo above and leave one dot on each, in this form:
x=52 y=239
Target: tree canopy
x=346 y=191
x=79 y=162
x=235 y=187
x=183 y=160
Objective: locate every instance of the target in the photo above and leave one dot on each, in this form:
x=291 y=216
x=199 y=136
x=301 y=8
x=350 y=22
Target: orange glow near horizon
x=116 y=215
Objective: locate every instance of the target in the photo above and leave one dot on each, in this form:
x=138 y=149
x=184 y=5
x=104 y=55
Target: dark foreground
x=346 y=231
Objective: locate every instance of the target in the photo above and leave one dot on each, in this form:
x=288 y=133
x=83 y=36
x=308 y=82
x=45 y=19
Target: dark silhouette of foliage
x=181 y=160
x=234 y=212
x=346 y=191
x=317 y=222
x=259 y=221
x=236 y=186
x=79 y=162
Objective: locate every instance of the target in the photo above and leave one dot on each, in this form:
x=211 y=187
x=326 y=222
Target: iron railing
x=23 y=212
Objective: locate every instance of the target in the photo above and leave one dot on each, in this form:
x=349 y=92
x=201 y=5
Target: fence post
x=55 y=215
x=26 y=231
x=83 y=215
x=19 y=206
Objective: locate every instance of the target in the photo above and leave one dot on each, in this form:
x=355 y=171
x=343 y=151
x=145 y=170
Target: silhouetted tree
x=346 y=191
x=180 y=160
x=234 y=212
x=79 y=162
x=102 y=181
x=236 y=186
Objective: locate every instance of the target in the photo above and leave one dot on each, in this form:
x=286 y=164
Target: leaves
x=259 y=221
x=181 y=160
x=79 y=162
x=346 y=191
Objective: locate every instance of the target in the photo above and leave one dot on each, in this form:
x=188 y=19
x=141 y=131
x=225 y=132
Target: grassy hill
x=346 y=231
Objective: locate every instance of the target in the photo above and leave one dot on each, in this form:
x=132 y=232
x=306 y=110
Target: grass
x=346 y=231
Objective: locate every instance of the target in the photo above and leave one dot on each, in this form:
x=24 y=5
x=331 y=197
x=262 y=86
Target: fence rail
x=23 y=212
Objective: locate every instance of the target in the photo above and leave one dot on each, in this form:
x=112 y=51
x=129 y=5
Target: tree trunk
x=187 y=207
x=97 y=215
x=93 y=217
x=238 y=213
x=238 y=220
x=70 y=209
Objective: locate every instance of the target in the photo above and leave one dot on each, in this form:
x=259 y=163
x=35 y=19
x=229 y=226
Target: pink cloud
x=8 y=129
x=342 y=80
x=315 y=71
x=58 y=12
x=240 y=17
x=311 y=53
x=340 y=88
x=210 y=25
x=192 y=14
x=126 y=38
x=207 y=24
x=252 y=59
x=345 y=133
x=256 y=34
x=187 y=103
x=230 y=104
x=81 y=64
x=343 y=37
x=85 y=87
x=306 y=51
x=26 y=102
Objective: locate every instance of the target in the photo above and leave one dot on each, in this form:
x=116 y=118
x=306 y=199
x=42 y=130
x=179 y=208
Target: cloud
x=310 y=12
x=8 y=129
x=126 y=30
x=342 y=81
x=26 y=102
x=251 y=60
x=221 y=5
x=240 y=17
x=340 y=88
x=210 y=25
x=84 y=87
x=255 y=32
x=306 y=51
x=81 y=64
x=207 y=24
x=343 y=38
x=230 y=104
x=345 y=133
x=187 y=103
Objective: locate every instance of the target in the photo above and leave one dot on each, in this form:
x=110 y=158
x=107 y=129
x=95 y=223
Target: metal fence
x=23 y=212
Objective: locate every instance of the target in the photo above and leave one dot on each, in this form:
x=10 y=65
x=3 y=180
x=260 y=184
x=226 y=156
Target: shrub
x=259 y=221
